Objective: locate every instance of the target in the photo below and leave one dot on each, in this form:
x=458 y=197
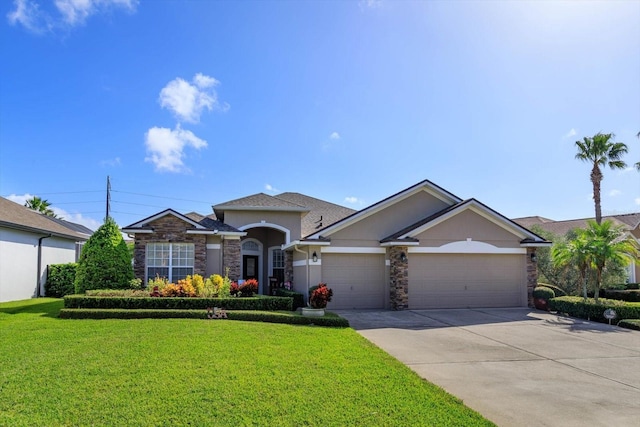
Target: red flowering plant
x=248 y=288
x=234 y=290
x=320 y=296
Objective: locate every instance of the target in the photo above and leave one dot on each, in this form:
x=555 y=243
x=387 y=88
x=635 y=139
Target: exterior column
x=288 y=266
x=231 y=258
x=532 y=276
x=399 y=277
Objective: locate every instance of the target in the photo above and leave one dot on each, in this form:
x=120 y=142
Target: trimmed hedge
x=298 y=298
x=543 y=292
x=154 y=303
x=329 y=319
x=556 y=289
x=626 y=295
x=60 y=279
x=630 y=324
x=577 y=307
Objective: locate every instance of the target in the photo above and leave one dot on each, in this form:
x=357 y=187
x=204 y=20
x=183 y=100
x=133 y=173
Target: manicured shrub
x=543 y=292
x=105 y=262
x=248 y=288
x=577 y=307
x=631 y=295
x=254 y=316
x=251 y=303
x=630 y=324
x=60 y=280
x=320 y=295
x=135 y=293
x=557 y=290
x=298 y=298
x=632 y=286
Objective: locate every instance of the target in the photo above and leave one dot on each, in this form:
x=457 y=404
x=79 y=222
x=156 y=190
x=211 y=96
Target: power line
x=161 y=197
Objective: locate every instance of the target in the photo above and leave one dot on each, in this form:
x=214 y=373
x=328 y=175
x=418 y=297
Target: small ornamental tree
x=105 y=262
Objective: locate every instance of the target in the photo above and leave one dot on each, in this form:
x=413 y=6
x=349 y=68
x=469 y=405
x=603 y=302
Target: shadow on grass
x=46 y=307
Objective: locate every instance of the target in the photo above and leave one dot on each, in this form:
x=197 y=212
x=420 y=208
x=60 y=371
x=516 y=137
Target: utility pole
x=108 y=198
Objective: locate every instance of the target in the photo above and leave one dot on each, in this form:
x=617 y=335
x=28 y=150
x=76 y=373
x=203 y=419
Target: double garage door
x=357 y=280
x=466 y=280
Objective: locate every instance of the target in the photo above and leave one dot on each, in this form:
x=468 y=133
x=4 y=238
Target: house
x=29 y=242
x=422 y=247
x=629 y=222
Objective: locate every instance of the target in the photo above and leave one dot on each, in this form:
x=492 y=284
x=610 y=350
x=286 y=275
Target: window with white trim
x=277 y=264
x=173 y=261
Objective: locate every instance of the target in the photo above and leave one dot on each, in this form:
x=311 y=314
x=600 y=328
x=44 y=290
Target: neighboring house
x=29 y=241
x=629 y=222
x=420 y=248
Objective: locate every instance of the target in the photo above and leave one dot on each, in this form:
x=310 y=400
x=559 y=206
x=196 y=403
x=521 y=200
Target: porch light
x=314 y=257
x=403 y=257
x=534 y=257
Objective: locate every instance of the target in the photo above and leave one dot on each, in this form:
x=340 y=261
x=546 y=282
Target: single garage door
x=357 y=280
x=466 y=280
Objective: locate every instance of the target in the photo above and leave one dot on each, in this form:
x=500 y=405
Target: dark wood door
x=250 y=267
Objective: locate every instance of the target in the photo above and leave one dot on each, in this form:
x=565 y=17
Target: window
x=250 y=245
x=277 y=264
x=173 y=261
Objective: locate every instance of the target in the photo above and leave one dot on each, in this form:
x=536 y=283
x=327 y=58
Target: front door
x=250 y=267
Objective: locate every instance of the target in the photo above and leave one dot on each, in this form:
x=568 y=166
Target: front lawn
x=172 y=372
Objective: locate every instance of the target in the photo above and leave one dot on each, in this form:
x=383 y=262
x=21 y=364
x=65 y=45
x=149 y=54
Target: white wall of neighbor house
x=19 y=262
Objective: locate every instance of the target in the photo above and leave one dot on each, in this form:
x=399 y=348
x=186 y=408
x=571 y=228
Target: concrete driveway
x=517 y=367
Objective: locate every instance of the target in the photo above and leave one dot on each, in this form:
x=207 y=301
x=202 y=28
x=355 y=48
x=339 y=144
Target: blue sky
x=185 y=104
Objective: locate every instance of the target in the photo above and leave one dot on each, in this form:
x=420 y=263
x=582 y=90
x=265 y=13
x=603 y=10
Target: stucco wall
x=19 y=262
x=369 y=231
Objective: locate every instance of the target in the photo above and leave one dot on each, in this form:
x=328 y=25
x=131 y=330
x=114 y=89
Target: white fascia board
x=136 y=231
x=202 y=232
x=397 y=243
x=304 y=243
x=467 y=247
x=352 y=250
x=169 y=212
x=536 y=244
x=366 y=212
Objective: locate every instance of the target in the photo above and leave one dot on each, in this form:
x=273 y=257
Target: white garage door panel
x=462 y=280
x=357 y=280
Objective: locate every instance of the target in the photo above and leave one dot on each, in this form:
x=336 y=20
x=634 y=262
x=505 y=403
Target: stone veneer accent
x=169 y=229
x=288 y=266
x=532 y=276
x=231 y=253
x=399 y=278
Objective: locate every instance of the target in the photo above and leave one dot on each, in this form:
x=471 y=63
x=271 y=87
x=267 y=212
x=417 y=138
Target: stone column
x=288 y=266
x=231 y=258
x=399 y=278
x=532 y=276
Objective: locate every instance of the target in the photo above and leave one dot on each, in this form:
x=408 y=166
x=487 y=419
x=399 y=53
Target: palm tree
x=40 y=205
x=600 y=150
x=606 y=244
x=573 y=252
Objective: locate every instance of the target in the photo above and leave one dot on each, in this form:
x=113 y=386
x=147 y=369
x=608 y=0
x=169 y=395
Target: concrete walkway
x=517 y=367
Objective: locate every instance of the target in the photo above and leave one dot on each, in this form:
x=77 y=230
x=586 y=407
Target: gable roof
x=14 y=215
x=321 y=213
x=201 y=223
x=426 y=185
x=528 y=238
x=629 y=221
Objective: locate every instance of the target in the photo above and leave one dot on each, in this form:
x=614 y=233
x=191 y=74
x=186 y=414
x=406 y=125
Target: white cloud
x=334 y=136
x=19 y=198
x=570 y=134
x=271 y=188
x=614 y=193
x=188 y=100
x=637 y=200
x=72 y=13
x=165 y=147
x=627 y=170
x=371 y=4
x=353 y=200
x=111 y=162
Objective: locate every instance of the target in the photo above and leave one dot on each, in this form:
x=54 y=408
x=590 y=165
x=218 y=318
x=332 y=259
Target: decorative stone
x=532 y=276
x=399 y=278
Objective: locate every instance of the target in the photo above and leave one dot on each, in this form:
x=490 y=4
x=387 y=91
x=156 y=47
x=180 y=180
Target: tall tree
x=600 y=150
x=40 y=205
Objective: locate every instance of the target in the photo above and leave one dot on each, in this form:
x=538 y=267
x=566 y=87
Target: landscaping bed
x=578 y=307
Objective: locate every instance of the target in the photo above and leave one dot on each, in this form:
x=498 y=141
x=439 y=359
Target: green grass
x=171 y=372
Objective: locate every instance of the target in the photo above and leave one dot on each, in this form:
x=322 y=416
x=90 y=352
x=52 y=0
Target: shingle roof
x=259 y=200
x=206 y=222
x=628 y=221
x=14 y=215
x=321 y=213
